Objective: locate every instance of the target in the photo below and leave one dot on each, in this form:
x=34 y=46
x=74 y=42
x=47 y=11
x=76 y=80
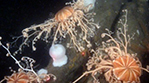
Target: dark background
x=16 y=15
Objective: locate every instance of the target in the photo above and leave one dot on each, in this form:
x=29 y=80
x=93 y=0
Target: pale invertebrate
x=41 y=72
x=88 y=2
x=73 y=20
x=113 y=59
x=57 y=52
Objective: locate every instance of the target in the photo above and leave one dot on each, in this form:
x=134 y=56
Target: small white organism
x=57 y=52
x=89 y=2
x=42 y=72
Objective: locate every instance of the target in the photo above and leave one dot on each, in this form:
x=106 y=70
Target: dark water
x=16 y=15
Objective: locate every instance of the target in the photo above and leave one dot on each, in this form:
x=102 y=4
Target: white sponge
x=88 y=2
x=57 y=52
